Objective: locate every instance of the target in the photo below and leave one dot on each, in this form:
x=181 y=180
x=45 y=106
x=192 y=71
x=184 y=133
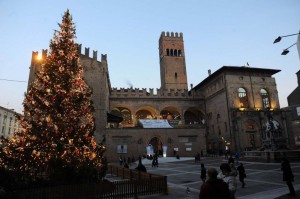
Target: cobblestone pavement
x=264 y=180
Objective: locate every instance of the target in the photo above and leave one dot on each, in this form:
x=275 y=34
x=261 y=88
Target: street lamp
x=278 y=39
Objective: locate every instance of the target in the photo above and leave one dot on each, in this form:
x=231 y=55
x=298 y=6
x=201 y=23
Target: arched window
x=179 y=53
x=171 y=52
x=242 y=94
x=175 y=53
x=175 y=75
x=168 y=52
x=265 y=98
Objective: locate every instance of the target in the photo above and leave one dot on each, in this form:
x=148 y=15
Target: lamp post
x=286 y=51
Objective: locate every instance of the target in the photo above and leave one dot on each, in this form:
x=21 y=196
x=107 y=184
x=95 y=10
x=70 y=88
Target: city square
x=74 y=120
x=264 y=180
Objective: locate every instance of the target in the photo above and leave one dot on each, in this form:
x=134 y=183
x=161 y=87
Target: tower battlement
x=144 y=93
x=171 y=36
x=35 y=59
x=87 y=54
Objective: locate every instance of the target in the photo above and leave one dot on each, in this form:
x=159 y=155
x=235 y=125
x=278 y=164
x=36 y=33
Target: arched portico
x=156 y=144
x=170 y=113
x=194 y=115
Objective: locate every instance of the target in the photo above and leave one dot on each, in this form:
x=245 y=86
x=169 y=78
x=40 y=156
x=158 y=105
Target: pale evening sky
x=215 y=32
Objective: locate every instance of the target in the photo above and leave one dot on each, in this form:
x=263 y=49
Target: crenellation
x=95 y=55
x=172 y=34
x=44 y=53
x=122 y=92
x=151 y=91
x=87 y=52
x=34 y=56
x=103 y=57
x=79 y=48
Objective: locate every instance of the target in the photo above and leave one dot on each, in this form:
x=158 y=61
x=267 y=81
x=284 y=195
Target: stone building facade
x=293 y=118
x=241 y=106
x=213 y=116
x=9 y=122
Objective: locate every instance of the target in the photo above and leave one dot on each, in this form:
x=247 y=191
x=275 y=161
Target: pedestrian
x=233 y=172
x=155 y=161
x=226 y=154
x=242 y=174
x=140 y=166
x=287 y=175
x=197 y=157
x=237 y=157
x=121 y=160
x=230 y=159
x=129 y=161
x=230 y=179
x=214 y=188
x=203 y=173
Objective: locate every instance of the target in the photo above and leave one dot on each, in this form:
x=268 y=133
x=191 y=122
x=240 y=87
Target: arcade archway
x=156 y=145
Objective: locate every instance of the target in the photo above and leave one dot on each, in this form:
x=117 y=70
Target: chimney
x=209 y=72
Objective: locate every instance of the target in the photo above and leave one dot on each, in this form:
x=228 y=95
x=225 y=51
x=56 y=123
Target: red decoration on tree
x=58 y=123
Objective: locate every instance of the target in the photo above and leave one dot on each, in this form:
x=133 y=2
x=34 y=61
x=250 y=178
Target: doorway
x=157 y=145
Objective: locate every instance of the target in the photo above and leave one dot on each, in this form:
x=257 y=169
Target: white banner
x=148 y=124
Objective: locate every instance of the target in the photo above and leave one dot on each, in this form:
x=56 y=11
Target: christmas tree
x=58 y=125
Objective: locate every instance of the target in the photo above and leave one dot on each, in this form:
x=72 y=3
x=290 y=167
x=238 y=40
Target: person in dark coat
x=287 y=175
x=214 y=188
x=203 y=173
x=140 y=166
x=242 y=174
x=230 y=160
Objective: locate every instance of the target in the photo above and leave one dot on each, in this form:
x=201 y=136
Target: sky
x=216 y=33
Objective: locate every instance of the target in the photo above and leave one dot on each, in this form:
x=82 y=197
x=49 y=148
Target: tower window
x=179 y=53
x=171 y=53
x=175 y=75
x=175 y=53
x=168 y=52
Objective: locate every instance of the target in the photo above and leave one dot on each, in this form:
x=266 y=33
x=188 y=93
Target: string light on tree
x=58 y=123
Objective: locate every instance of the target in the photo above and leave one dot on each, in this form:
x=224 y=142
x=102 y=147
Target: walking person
x=229 y=178
x=287 y=175
x=242 y=174
x=214 y=188
x=203 y=173
x=230 y=159
x=233 y=172
x=237 y=157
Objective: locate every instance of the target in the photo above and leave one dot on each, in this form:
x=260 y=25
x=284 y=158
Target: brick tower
x=172 y=61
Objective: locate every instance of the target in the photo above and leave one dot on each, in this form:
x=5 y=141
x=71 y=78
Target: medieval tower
x=172 y=61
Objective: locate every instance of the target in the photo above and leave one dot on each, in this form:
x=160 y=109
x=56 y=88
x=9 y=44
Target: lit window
x=265 y=98
x=242 y=94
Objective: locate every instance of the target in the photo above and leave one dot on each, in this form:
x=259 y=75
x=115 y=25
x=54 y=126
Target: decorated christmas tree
x=56 y=139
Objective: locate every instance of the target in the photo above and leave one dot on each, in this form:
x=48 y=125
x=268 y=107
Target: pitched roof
x=236 y=69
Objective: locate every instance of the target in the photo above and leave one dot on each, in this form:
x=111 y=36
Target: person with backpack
x=229 y=178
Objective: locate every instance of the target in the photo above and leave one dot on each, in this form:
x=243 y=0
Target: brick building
x=224 y=111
